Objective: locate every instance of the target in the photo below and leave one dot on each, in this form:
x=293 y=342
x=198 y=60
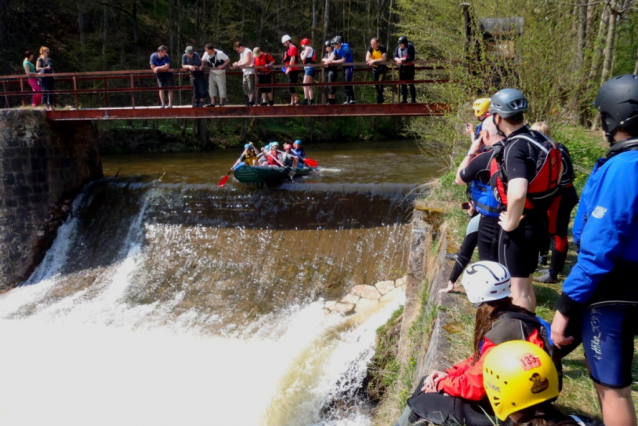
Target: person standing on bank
x=308 y=56
x=525 y=176
x=216 y=61
x=30 y=70
x=600 y=295
x=192 y=62
x=160 y=64
x=375 y=56
x=246 y=63
x=331 y=72
x=291 y=58
x=45 y=66
x=343 y=52
x=404 y=56
x=264 y=75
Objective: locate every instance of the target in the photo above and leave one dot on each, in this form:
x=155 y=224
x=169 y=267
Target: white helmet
x=285 y=39
x=485 y=281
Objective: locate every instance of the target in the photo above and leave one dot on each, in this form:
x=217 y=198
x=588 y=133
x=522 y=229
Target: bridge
x=132 y=94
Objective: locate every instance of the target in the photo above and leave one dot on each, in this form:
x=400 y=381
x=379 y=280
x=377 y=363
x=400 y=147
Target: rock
x=366 y=292
x=329 y=304
x=350 y=298
x=401 y=281
x=392 y=294
x=384 y=286
x=343 y=307
x=365 y=304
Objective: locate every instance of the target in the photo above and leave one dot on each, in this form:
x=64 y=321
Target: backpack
x=568 y=177
x=543 y=187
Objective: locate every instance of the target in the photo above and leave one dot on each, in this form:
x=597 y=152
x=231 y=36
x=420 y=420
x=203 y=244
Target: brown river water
x=178 y=302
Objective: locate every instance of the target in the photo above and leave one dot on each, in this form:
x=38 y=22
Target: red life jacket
x=543 y=187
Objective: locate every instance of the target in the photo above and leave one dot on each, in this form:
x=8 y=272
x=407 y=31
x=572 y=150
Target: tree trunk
x=81 y=24
x=387 y=43
x=599 y=46
x=326 y=19
x=314 y=23
x=609 y=46
x=136 y=28
x=582 y=35
x=171 y=30
x=4 y=16
x=105 y=31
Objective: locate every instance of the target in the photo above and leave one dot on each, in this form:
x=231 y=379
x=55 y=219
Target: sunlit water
x=172 y=301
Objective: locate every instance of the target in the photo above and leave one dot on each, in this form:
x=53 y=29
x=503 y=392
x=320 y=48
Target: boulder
x=365 y=304
x=384 y=286
x=366 y=292
x=350 y=298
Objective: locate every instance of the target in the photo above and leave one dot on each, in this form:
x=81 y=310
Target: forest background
x=562 y=51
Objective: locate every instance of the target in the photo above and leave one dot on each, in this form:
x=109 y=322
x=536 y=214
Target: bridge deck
x=237 y=111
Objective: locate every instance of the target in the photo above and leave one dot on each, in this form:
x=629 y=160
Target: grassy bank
x=578 y=395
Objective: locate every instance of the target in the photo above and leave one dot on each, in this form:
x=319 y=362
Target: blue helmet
x=298 y=142
x=247 y=146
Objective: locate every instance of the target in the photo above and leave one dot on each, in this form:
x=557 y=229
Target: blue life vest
x=484 y=199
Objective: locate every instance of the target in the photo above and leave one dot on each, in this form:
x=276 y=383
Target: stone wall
x=43 y=166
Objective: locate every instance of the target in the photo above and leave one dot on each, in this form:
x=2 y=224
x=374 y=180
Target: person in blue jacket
x=344 y=53
x=600 y=295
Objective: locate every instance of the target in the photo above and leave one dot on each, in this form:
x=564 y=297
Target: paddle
x=225 y=178
x=308 y=161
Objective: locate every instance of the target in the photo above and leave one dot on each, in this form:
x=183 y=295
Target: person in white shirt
x=246 y=63
x=216 y=61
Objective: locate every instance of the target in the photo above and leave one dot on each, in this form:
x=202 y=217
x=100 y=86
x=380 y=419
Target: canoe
x=268 y=175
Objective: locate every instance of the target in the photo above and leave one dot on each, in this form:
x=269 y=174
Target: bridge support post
x=43 y=166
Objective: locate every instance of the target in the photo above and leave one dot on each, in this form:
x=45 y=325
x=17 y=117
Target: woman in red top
x=291 y=57
x=264 y=75
x=457 y=394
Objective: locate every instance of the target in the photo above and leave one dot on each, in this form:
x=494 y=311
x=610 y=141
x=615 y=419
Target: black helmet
x=617 y=102
x=403 y=40
x=336 y=40
x=508 y=103
x=327 y=43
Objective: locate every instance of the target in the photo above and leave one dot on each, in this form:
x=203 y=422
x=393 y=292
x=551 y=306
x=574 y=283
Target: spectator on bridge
x=45 y=66
x=331 y=72
x=160 y=64
x=404 y=56
x=192 y=62
x=291 y=57
x=374 y=57
x=264 y=75
x=216 y=61
x=308 y=56
x=247 y=64
x=29 y=69
x=344 y=53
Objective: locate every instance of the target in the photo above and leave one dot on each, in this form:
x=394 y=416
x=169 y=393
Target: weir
x=177 y=302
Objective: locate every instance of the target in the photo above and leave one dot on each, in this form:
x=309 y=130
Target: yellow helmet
x=481 y=106
x=517 y=375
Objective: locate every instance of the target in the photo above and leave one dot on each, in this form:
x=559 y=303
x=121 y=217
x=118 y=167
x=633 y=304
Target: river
x=166 y=300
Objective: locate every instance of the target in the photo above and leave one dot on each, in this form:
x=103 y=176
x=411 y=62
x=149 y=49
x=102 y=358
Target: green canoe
x=268 y=175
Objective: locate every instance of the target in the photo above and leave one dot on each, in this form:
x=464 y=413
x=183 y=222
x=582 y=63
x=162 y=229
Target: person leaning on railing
x=404 y=56
x=264 y=75
x=217 y=61
x=160 y=63
x=331 y=72
x=376 y=54
x=192 y=62
x=45 y=66
x=29 y=69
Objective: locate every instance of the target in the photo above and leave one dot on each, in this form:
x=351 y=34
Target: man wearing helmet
x=308 y=56
x=343 y=55
x=291 y=58
x=331 y=71
x=404 y=56
x=602 y=290
x=514 y=170
x=481 y=109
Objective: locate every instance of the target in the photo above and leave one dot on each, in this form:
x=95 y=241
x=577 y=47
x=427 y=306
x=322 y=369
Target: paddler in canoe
x=249 y=156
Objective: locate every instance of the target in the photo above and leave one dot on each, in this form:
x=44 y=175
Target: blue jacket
x=607 y=231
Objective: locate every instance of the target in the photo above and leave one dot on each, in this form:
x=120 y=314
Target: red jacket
x=272 y=159
x=465 y=379
x=263 y=60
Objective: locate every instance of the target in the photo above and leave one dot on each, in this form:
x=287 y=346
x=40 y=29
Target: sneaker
x=413 y=101
x=305 y=102
x=403 y=102
x=352 y=101
x=347 y=102
x=271 y=103
x=542 y=260
x=312 y=102
x=546 y=278
x=264 y=104
x=210 y=105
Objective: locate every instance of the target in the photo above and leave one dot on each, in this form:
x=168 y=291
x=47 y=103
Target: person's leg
x=608 y=341
x=409 y=76
x=37 y=97
x=270 y=91
x=311 y=79
x=464 y=255
x=212 y=87
x=221 y=86
x=161 y=96
x=347 y=76
x=488 y=233
x=404 y=87
x=332 y=90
